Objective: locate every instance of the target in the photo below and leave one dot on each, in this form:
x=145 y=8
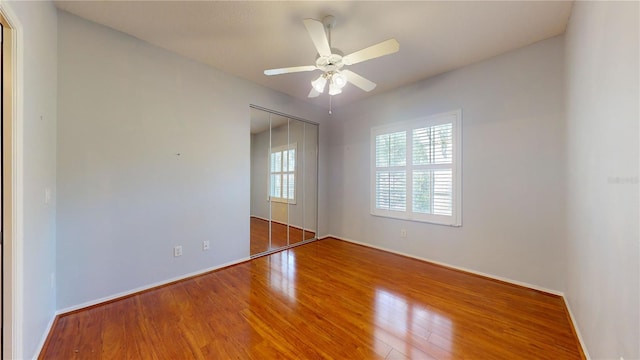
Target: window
x=415 y=169
x=282 y=182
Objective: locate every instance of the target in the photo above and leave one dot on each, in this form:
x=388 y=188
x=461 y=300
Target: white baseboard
x=147 y=287
x=576 y=328
x=490 y=276
x=259 y=217
x=45 y=335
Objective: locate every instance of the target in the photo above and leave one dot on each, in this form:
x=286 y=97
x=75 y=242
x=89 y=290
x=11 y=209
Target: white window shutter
x=416 y=169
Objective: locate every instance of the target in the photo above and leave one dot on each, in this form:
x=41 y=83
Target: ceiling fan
x=332 y=62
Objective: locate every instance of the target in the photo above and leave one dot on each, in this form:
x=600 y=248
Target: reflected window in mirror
x=283 y=174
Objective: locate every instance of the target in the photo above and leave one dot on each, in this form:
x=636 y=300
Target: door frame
x=12 y=173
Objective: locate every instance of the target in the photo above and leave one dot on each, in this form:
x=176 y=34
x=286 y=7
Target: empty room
x=320 y=180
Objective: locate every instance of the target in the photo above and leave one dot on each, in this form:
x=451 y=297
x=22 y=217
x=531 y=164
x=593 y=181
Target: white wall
x=512 y=171
x=602 y=176
x=39 y=45
x=125 y=198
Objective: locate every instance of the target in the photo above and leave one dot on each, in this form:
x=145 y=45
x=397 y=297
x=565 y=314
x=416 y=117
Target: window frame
x=281 y=149
x=455 y=118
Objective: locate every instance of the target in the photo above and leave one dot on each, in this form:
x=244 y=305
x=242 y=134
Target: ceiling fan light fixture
x=337 y=79
x=334 y=89
x=319 y=83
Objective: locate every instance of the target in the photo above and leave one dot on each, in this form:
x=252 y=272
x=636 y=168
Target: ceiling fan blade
x=290 y=70
x=313 y=93
x=359 y=81
x=318 y=36
x=384 y=48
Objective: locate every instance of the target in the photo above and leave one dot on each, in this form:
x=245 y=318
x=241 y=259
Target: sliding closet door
x=260 y=206
x=280 y=192
x=310 y=180
x=296 y=181
x=284 y=178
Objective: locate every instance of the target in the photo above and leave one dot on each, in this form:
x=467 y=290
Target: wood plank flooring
x=328 y=299
x=259 y=230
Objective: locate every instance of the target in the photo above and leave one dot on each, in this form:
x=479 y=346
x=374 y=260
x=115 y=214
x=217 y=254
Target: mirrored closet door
x=284 y=181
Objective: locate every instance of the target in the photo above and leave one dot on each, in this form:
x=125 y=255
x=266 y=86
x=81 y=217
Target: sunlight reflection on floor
x=282 y=273
x=405 y=325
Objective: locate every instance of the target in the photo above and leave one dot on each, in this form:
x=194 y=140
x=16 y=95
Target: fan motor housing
x=332 y=62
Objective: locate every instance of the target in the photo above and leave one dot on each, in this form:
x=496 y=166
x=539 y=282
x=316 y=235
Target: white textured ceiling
x=246 y=37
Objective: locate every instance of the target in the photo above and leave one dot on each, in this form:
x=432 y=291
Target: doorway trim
x=12 y=204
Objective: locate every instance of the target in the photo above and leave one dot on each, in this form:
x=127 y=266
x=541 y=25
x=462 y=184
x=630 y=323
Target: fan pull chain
x=328 y=26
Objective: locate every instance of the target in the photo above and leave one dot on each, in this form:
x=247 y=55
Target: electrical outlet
x=177 y=251
x=47 y=195
x=403 y=233
x=205 y=245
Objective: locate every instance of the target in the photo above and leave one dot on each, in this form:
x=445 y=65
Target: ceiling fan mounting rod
x=329 y=23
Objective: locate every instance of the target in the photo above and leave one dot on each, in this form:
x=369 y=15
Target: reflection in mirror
x=284 y=162
x=260 y=211
x=310 y=188
x=296 y=200
x=281 y=175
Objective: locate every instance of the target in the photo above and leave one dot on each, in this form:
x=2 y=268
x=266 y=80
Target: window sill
x=283 y=201
x=435 y=220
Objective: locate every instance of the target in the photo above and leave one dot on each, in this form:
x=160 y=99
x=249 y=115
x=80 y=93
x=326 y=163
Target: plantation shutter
x=415 y=169
x=283 y=173
x=432 y=148
x=391 y=175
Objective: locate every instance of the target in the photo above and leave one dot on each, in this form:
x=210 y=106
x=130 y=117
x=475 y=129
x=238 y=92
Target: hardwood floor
x=328 y=299
x=260 y=235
